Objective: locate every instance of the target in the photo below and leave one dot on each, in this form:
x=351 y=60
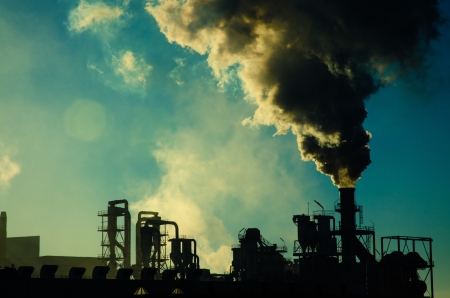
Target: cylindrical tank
x=146 y=241
x=307 y=232
x=112 y=232
x=323 y=224
x=175 y=252
x=187 y=252
x=327 y=244
x=237 y=258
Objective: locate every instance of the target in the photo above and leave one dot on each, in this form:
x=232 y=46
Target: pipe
x=198 y=262
x=162 y=222
x=146 y=212
x=126 y=251
x=195 y=254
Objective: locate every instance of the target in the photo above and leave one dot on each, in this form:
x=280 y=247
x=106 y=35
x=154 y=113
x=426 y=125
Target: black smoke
x=322 y=60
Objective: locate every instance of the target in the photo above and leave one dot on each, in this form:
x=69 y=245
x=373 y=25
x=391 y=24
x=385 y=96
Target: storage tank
x=175 y=252
x=307 y=232
x=148 y=237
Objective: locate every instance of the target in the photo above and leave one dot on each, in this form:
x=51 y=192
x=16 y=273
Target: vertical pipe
x=3 y=233
x=111 y=231
x=431 y=268
x=113 y=213
x=374 y=245
x=347 y=200
x=195 y=254
x=127 y=253
x=138 y=256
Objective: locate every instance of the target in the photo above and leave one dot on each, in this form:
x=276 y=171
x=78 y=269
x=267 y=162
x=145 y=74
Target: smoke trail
x=308 y=65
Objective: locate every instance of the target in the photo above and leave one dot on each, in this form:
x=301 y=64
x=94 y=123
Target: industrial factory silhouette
x=333 y=256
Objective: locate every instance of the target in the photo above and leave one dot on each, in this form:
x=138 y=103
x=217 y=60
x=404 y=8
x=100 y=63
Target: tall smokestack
x=348 y=223
x=347 y=201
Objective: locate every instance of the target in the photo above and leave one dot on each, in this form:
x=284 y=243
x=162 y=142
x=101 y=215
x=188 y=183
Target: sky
x=103 y=100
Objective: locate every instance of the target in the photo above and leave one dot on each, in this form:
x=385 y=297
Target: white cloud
x=93 y=16
x=8 y=170
x=95 y=68
x=133 y=70
x=218 y=176
x=175 y=74
x=104 y=20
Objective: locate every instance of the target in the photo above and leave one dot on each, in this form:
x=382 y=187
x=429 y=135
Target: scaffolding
x=407 y=244
x=115 y=229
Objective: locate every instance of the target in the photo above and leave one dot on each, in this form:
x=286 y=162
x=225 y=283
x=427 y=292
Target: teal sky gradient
x=84 y=133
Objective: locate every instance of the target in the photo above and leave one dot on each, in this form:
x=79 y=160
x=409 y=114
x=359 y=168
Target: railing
x=241 y=234
x=298 y=248
x=365 y=228
x=337 y=207
x=186 y=237
x=323 y=212
x=118 y=257
x=265 y=242
x=282 y=249
x=118 y=228
x=107 y=243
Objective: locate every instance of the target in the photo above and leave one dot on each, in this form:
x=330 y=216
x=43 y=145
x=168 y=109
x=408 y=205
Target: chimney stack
x=347 y=209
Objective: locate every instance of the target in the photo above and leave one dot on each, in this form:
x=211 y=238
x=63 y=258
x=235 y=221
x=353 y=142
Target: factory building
x=25 y=251
x=334 y=255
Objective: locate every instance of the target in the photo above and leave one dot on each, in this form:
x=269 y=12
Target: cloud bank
x=308 y=65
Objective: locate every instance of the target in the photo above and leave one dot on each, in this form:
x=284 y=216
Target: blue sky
x=106 y=108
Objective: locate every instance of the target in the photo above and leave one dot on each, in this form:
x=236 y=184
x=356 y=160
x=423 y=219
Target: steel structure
x=116 y=235
x=402 y=266
x=334 y=258
x=256 y=258
x=153 y=246
x=151 y=242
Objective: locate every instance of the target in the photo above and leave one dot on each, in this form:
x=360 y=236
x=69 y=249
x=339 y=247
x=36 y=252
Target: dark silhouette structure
x=335 y=257
x=255 y=258
x=148 y=242
x=341 y=259
x=116 y=237
x=3 y=237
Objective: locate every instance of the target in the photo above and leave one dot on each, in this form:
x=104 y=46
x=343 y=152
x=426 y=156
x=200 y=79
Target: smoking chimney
x=347 y=208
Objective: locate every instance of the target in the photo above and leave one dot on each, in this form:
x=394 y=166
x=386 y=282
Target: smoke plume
x=309 y=65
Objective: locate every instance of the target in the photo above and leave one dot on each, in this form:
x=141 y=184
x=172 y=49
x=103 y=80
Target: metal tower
x=116 y=235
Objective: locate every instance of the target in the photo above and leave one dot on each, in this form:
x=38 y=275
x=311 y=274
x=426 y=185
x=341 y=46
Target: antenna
x=308 y=208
